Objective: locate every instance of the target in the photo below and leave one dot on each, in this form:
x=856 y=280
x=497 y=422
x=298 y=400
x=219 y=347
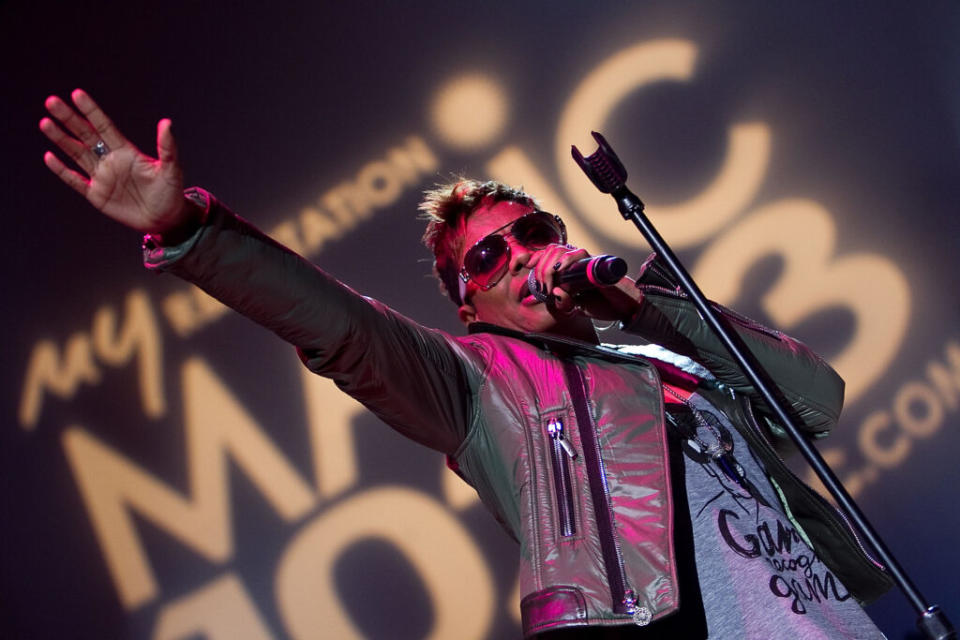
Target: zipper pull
x=641 y=615
x=555 y=427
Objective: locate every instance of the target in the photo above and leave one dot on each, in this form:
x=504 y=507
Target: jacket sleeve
x=411 y=377
x=667 y=317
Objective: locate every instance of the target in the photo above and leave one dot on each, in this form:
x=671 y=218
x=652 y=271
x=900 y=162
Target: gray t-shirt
x=758 y=578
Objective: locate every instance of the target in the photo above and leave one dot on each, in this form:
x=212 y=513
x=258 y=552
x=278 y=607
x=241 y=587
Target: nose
x=519 y=255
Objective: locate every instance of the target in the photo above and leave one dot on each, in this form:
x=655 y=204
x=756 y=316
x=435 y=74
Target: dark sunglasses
x=488 y=260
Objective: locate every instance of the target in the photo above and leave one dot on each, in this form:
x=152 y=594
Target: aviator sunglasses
x=488 y=260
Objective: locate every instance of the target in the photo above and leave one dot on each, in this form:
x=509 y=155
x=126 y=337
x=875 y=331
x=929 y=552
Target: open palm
x=129 y=186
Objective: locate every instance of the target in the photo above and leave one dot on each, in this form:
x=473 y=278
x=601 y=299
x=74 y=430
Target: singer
x=645 y=486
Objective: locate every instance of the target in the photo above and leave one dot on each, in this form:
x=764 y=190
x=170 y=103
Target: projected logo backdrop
x=206 y=485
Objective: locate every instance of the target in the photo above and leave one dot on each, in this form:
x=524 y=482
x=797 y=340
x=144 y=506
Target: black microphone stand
x=609 y=175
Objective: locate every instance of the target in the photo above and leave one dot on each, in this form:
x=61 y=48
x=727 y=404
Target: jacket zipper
x=623 y=598
x=850 y=529
x=560 y=450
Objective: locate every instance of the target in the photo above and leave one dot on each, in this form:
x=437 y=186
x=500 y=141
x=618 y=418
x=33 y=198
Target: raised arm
x=414 y=378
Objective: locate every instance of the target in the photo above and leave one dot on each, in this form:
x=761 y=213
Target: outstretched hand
x=129 y=186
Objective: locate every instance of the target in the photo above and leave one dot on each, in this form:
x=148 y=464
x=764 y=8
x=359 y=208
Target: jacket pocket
x=562 y=455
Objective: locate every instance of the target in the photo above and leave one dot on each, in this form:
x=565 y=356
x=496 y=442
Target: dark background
x=275 y=104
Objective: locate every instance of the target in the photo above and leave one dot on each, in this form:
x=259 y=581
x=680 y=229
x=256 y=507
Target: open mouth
x=528 y=297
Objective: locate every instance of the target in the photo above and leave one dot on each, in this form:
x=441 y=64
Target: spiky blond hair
x=446 y=208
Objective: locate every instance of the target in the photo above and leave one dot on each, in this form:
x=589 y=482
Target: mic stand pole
x=609 y=175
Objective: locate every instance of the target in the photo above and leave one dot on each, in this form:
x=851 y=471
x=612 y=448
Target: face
x=509 y=303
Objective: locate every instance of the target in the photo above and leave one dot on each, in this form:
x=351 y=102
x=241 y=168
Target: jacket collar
x=672 y=367
x=561 y=346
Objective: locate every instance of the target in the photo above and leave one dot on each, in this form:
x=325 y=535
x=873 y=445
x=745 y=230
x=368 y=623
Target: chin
x=576 y=326
x=547 y=322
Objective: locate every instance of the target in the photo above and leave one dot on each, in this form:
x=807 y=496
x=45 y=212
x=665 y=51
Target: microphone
x=588 y=273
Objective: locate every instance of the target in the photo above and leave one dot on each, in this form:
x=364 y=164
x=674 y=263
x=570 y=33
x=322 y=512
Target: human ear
x=467 y=313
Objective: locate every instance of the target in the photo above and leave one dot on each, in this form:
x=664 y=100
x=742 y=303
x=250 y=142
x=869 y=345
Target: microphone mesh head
x=535 y=290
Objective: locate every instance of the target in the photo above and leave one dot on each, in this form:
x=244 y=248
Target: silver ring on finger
x=101 y=149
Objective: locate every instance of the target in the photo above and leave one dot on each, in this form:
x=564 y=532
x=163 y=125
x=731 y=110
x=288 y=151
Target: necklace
x=722 y=444
x=688 y=422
